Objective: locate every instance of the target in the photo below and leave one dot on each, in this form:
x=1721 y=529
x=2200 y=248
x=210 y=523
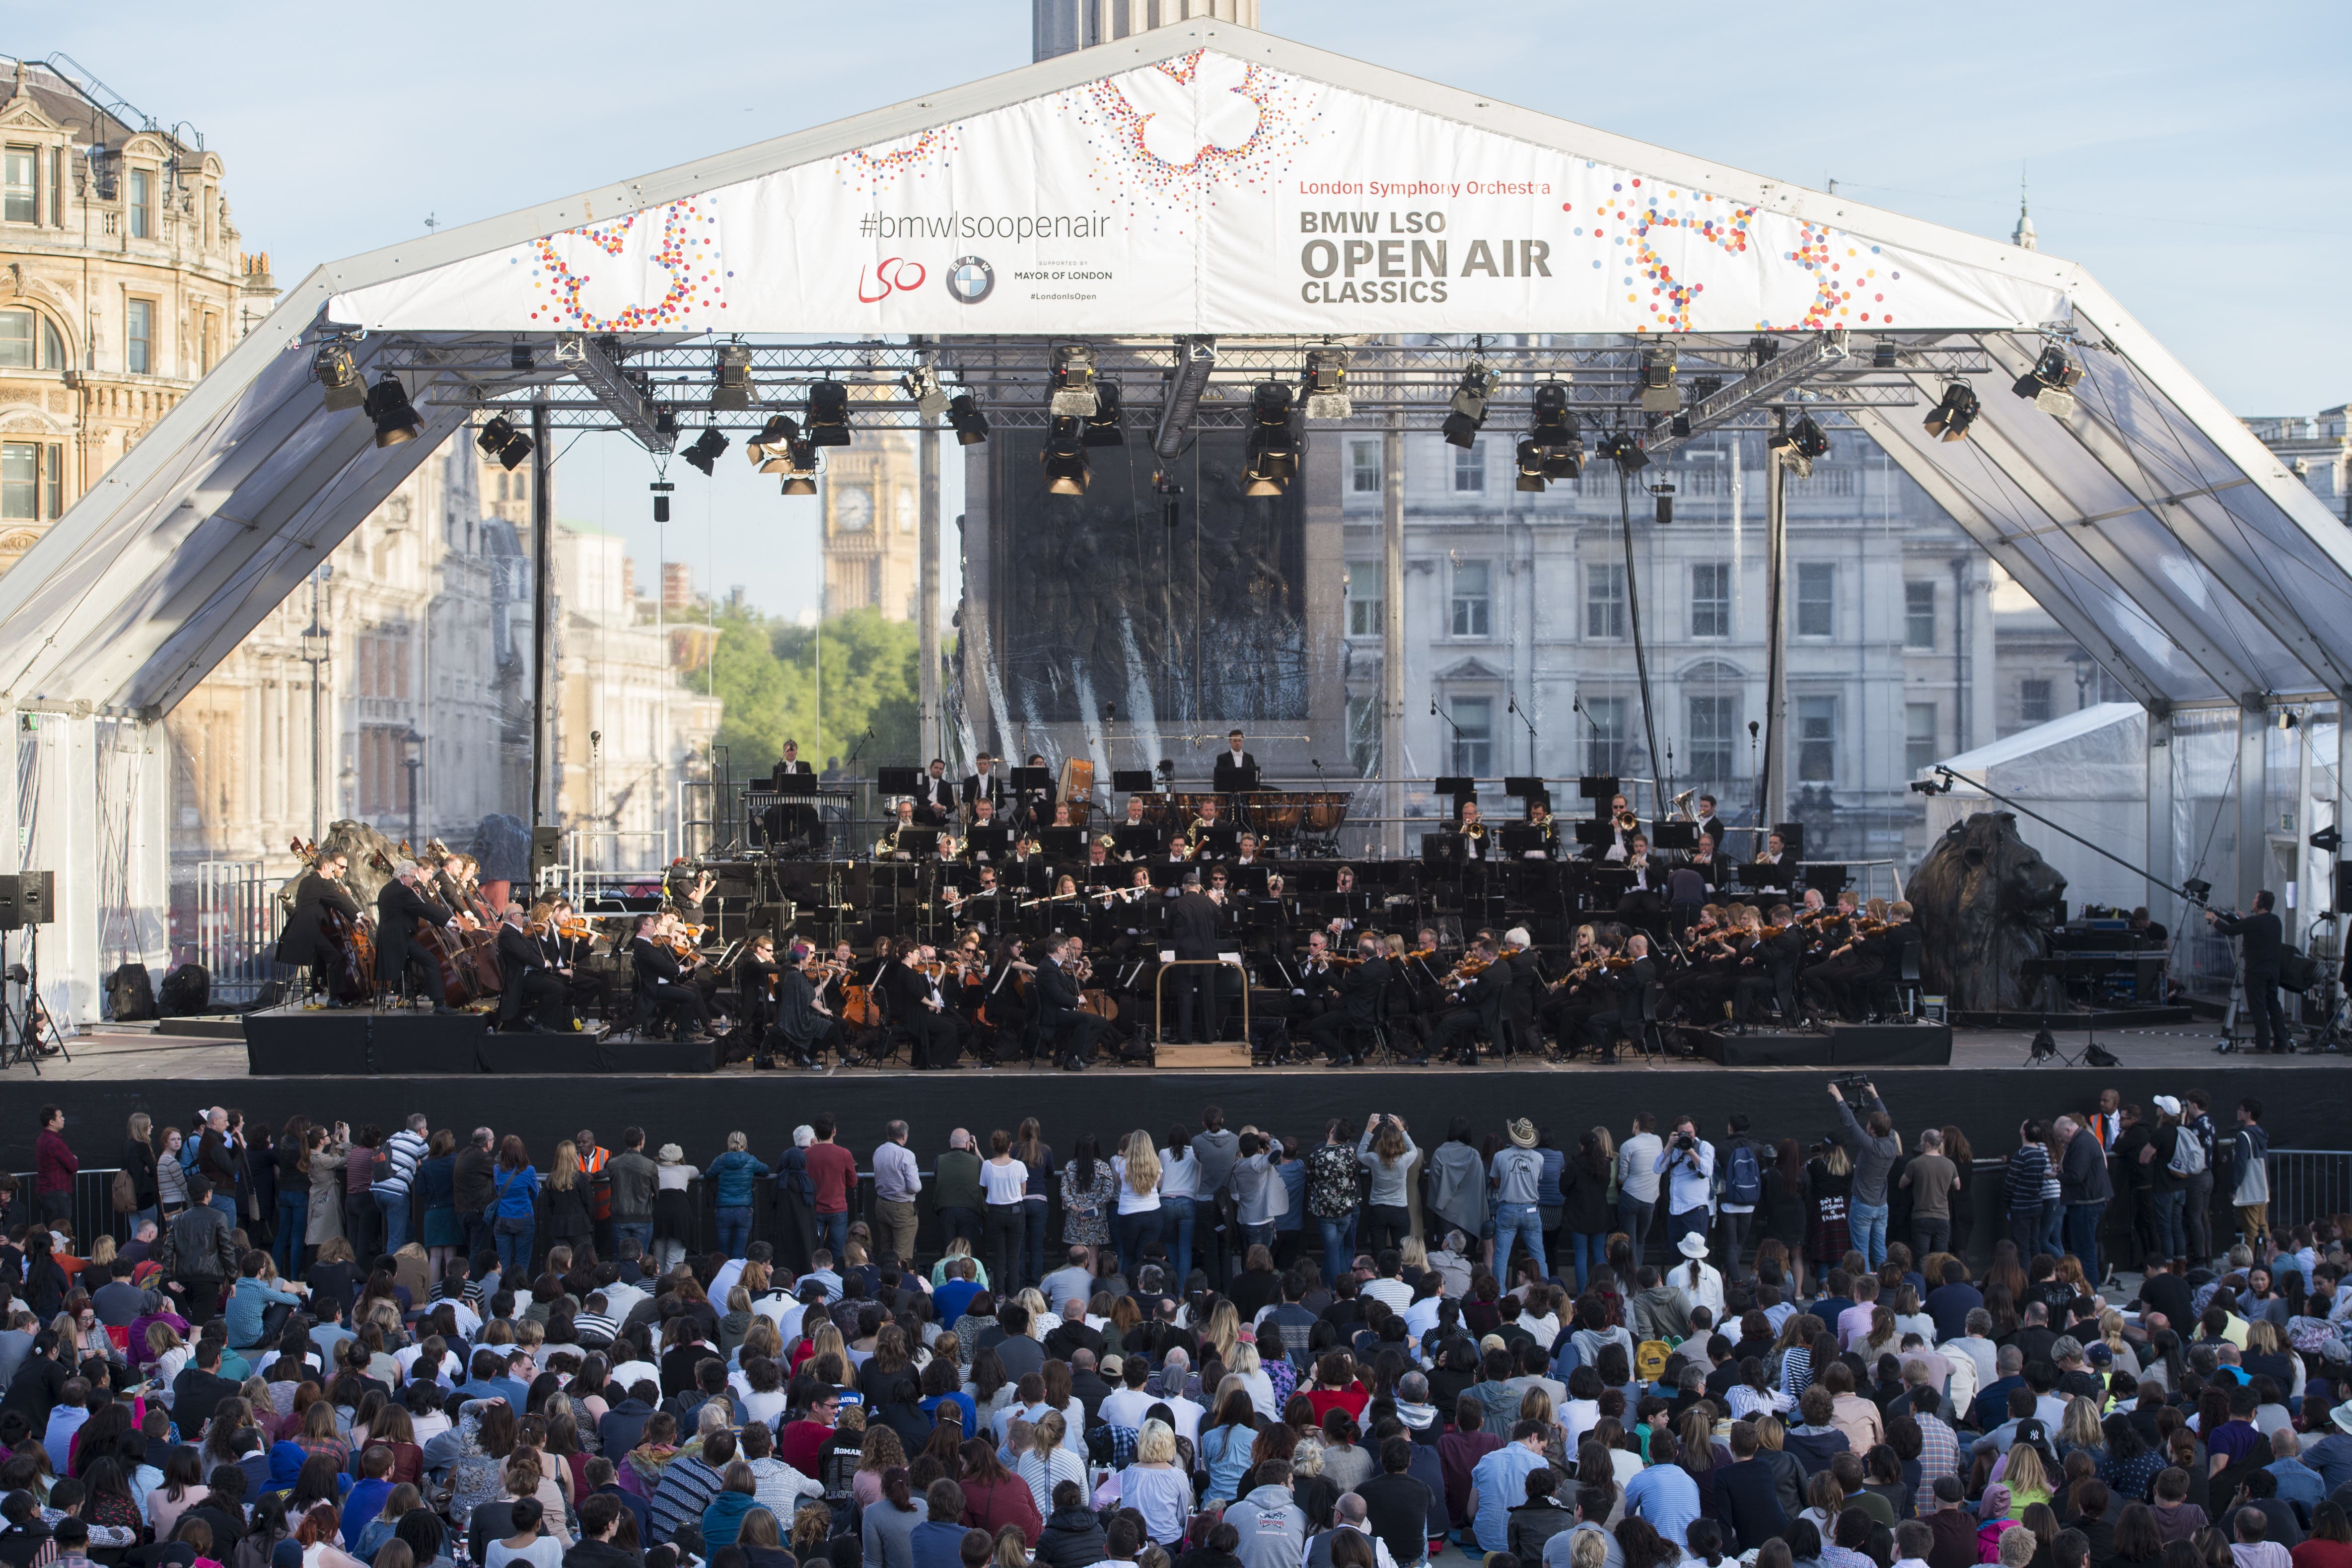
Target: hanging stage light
x=1553 y=447
x=731 y=377
x=966 y=420
x=1072 y=383
x=1658 y=393
x=1462 y=426
x=1623 y=450
x=828 y=413
x=2051 y=382
x=1798 y=444
x=339 y=377
x=1273 y=444
x=707 y=449
x=661 y=488
x=521 y=357
x=1064 y=457
x=768 y=446
x=797 y=461
x=1102 y=424
x=1952 y=417
x=387 y=404
x=923 y=384
x=1325 y=385
x=1664 y=493
x=501 y=442
x=1808 y=437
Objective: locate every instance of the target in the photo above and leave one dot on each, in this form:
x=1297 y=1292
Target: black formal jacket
x=991 y=789
x=783 y=767
x=657 y=964
x=1229 y=775
x=935 y=798
x=1193 y=925
x=1491 y=993
x=1057 y=991
x=796 y=1014
x=1360 y=989
x=518 y=950
x=313 y=894
x=752 y=978
x=2261 y=939
x=398 y=909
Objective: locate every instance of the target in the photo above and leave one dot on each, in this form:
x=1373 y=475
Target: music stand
x=1025 y=779
x=1063 y=843
x=1458 y=789
x=1441 y=851
x=1132 y=781
x=1596 y=833
x=1520 y=841
x=1315 y=875
x=1248 y=880
x=1609 y=882
x=898 y=781
x=1140 y=842
x=1245 y=777
x=1755 y=874
x=1598 y=788
x=996 y=843
x=1223 y=840
x=1830 y=879
x=1171 y=873
x=794 y=783
x=919 y=843
x=1673 y=836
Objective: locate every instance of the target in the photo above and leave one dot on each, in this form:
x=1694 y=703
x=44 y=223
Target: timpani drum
x=1271 y=811
x=1185 y=807
x=1326 y=810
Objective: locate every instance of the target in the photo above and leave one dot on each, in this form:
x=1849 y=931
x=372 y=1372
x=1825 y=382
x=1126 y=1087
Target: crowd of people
x=425 y=1350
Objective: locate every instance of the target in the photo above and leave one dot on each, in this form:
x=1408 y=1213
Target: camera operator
x=2262 y=946
x=1687 y=1162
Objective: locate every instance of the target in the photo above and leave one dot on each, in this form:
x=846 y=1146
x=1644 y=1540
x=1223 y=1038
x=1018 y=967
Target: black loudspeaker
x=12 y=915
x=546 y=848
x=36 y=897
x=187 y=991
x=2344 y=887
x=130 y=994
x=1793 y=838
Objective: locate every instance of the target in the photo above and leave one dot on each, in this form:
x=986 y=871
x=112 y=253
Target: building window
x=2033 y=702
x=1816 y=598
x=1364 y=735
x=1701 y=479
x=20 y=185
x=30 y=473
x=1604 y=736
x=1471 y=598
x=143 y=207
x=1816 y=740
x=873 y=581
x=1469 y=468
x=1711 y=599
x=1364 y=468
x=139 y=336
x=29 y=341
x=1919 y=614
x=1365 y=609
x=1473 y=742
x=1604 y=603
x=1714 y=721
x=1918 y=736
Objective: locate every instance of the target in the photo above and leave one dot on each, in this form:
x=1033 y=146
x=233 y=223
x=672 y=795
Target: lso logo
x=971 y=278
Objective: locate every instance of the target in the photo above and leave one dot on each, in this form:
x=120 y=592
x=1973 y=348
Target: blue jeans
x=1133 y=1233
x=1591 y=1249
x=514 y=1246
x=2083 y=1236
x=1257 y=1236
x=641 y=1229
x=395 y=1209
x=1633 y=1219
x=227 y=1206
x=293 y=1219
x=1866 y=1223
x=832 y=1233
x=1176 y=1214
x=1523 y=1222
x=2054 y=1216
x=1032 y=1239
x=1338 y=1244
x=2170 y=1240
x=734 y=1229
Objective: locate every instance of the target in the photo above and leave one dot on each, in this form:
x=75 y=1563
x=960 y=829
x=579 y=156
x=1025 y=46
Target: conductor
x=402 y=913
x=2262 y=946
x=1192 y=931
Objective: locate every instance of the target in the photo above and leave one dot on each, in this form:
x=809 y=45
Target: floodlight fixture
x=339 y=376
x=1659 y=395
x=1064 y=456
x=1882 y=354
x=1553 y=447
x=1325 y=385
x=1273 y=444
x=923 y=384
x=828 y=413
x=1808 y=439
x=1623 y=449
x=2051 y=383
x=1102 y=424
x=731 y=377
x=1664 y=493
x=521 y=357
x=387 y=404
x=707 y=449
x=661 y=488
x=1951 y=417
x=768 y=446
x=964 y=417
x=502 y=443
x=1469 y=411
x=1796 y=446
x=1071 y=384
x=797 y=462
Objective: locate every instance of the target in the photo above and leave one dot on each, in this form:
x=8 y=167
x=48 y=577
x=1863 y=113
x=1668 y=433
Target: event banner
x=1202 y=193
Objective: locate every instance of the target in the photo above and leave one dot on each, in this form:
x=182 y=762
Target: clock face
x=853 y=511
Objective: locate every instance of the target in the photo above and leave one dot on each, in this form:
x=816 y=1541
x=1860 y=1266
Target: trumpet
x=1682 y=812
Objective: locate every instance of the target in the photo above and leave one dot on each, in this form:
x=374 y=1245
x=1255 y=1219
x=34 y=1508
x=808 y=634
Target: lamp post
x=316 y=649
x=412 y=746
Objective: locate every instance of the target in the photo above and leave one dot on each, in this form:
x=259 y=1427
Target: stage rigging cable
x=1641 y=656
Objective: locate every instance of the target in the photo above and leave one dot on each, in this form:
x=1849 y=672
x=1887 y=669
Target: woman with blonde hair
x=2024 y=1479
x=1048 y=1461
x=1136 y=1167
x=957 y=1247
x=1222 y=1333
x=568 y=1221
x=1155 y=1487
x=1245 y=1367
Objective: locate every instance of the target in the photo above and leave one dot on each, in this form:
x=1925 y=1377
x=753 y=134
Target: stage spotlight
x=2051 y=382
x=1064 y=457
x=1102 y=424
x=520 y=357
x=1798 y=444
x=1623 y=450
x=1666 y=497
x=965 y=418
x=500 y=441
x=661 y=488
x=1553 y=447
x=1762 y=351
x=732 y=386
x=339 y=377
x=923 y=384
x=665 y=421
x=1325 y=386
x=387 y=404
x=707 y=449
x=1658 y=393
x=797 y=462
x=1469 y=412
x=1952 y=417
x=768 y=447
x=2197 y=891
x=1808 y=439
x=828 y=413
x=1072 y=383
x=1882 y=356
x=1273 y=447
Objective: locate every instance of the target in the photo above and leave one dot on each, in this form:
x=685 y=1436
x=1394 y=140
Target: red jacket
x=54 y=1163
x=1008 y=1501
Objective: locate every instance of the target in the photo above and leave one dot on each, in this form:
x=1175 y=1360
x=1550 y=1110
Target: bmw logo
x=971 y=278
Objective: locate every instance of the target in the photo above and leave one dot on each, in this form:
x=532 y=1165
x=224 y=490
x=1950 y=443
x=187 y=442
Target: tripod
x=28 y=1033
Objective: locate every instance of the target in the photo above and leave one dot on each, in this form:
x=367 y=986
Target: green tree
x=760 y=694
x=869 y=680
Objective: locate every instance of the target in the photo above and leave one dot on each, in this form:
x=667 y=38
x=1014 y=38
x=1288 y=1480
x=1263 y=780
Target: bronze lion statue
x=1985 y=900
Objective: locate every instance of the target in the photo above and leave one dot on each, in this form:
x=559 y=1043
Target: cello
x=350 y=978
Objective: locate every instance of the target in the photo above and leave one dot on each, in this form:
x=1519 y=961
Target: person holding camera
x=1876 y=1149
x=1687 y=1163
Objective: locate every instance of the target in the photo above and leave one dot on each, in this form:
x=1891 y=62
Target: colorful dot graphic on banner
x=1238 y=124
x=1672 y=296
x=864 y=169
x=686 y=253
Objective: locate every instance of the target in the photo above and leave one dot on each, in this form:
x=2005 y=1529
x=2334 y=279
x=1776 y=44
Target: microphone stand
x=1530 y=723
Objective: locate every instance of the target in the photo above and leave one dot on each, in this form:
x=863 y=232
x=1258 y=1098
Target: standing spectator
x=1334 y=1189
x=633 y=1182
x=139 y=1164
x=897 y=1183
x=1387 y=1154
x=1217 y=1146
x=832 y=1171
x=1637 y=1182
x=470 y=1180
x=1875 y=1149
x=1005 y=1182
x=1517 y=1173
x=1739 y=1189
x=1687 y=1164
x=1037 y=1157
x=1457 y=1191
x=731 y=1176
x=515 y=1193
x=955 y=1191
x=2083 y=1182
x=1136 y=1167
x=2196 y=1206
x=1932 y=1178
x=2028 y=1169
x=396 y=1171
x=673 y=1210
x=55 y=1167
x=223 y=1165
x=2250 y=1171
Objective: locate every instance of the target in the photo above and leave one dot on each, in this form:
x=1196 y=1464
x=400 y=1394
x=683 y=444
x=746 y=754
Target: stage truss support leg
x=1393 y=764
x=543 y=593
x=926 y=592
x=1776 y=645
x=2253 y=823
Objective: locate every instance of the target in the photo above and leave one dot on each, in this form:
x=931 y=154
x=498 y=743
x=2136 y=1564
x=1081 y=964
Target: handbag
x=124 y=1194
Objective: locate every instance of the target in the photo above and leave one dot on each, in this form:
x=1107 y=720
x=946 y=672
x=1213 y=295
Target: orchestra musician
x=1776 y=853
x=1711 y=950
x=1179 y=848
x=755 y=984
x=1710 y=825
x=1059 y=1006
x=1192 y=932
x=1839 y=983
x=303 y=942
x=1357 y=1007
x=401 y=909
x=1480 y=1010
x=663 y=980
x=1646 y=895
x=796 y=820
x=1344 y=884
x=1767 y=966
x=981 y=785
x=1473 y=830
x=1196 y=836
x=984 y=817
x=1547 y=830
x=1247 y=850
x=935 y=797
x=805 y=1023
x=1580 y=992
x=1134 y=818
x=1236 y=770
x=918 y=1007
x=1621 y=826
x=887 y=847
x=528 y=979
x=1628 y=983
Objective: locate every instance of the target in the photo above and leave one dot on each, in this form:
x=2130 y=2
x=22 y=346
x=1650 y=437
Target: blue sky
x=2189 y=156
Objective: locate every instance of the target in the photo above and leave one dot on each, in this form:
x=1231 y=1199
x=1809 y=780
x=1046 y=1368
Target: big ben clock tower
x=870 y=525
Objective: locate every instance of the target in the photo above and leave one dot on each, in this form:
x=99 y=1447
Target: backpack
x=1744 y=1187
x=2188 y=1153
x=1649 y=1360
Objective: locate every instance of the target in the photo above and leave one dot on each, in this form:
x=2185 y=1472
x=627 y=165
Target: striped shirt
x=2029 y=1170
x=402 y=1154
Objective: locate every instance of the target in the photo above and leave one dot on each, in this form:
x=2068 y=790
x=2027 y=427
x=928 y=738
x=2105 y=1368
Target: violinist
x=1630 y=985
x=1713 y=947
x=755 y=989
x=1546 y=831
x=527 y=979
x=917 y=1006
x=1767 y=966
x=1318 y=976
x=1841 y=978
x=402 y=913
x=1357 y=1007
x=1577 y=995
x=1487 y=977
x=303 y=941
x=663 y=982
x=805 y=1023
